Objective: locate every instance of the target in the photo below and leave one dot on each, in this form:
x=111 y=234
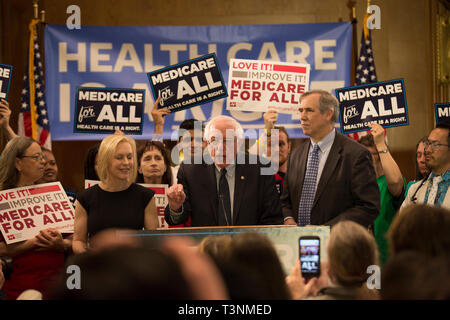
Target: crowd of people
x=356 y=188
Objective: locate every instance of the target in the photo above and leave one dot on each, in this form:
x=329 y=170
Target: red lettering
x=246 y=85
x=256 y=96
x=65 y=205
x=6 y=227
x=274 y=97
x=56 y=219
x=291 y=88
x=56 y=206
x=47 y=220
x=18 y=225
x=29 y=223
x=236 y=84
x=13 y=214
x=47 y=208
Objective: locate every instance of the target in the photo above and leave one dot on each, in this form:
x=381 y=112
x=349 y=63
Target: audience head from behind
x=22 y=163
x=414 y=275
x=117 y=159
x=126 y=273
x=253 y=253
x=351 y=250
x=154 y=164
x=421 y=228
x=51 y=168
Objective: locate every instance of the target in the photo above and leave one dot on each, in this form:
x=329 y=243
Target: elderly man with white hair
x=226 y=189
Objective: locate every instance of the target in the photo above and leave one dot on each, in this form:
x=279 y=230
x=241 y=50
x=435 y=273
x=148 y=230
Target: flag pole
x=35 y=8
x=351 y=4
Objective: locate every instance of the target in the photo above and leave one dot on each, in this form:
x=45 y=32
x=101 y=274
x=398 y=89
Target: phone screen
x=310 y=257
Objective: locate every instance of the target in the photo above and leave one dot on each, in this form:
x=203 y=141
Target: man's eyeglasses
x=36 y=157
x=433 y=144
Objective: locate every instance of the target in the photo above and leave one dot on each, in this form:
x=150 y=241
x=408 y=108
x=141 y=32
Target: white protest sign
x=257 y=85
x=160 y=198
x=25 y=211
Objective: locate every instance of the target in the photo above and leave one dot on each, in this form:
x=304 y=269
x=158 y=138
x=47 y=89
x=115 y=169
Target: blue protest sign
x=5 y=80
x=104 y=110
x=191 y=83
x=381 y=102
x=442 y=111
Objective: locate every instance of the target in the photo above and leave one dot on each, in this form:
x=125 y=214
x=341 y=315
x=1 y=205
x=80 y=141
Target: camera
x=309 y=254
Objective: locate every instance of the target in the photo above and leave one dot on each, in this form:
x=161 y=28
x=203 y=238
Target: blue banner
x=121 y=57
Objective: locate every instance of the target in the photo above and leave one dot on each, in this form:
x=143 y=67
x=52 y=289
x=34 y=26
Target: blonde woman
x=117 y=202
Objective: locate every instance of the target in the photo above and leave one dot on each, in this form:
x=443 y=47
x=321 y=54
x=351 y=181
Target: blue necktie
x=309 y=188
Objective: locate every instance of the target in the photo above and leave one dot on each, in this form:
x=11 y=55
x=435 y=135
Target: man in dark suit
x=225 y=189
x=329 y=177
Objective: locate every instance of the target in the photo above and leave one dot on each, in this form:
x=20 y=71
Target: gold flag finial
x=35 y=9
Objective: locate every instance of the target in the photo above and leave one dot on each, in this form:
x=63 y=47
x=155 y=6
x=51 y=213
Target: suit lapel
x=330 y=166
x=240 y=180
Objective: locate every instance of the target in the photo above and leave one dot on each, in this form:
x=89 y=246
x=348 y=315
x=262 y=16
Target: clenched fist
x=176 y=197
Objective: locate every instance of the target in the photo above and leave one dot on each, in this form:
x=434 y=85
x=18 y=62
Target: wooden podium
x=284 y=238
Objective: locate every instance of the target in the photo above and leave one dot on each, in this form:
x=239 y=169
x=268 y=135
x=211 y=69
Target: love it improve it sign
x=381 y=102
x=255 y=85
x=104 y=110
x=188 y=84
x=27 y=210
x=5 y=80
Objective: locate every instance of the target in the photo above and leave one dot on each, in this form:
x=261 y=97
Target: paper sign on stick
x=257 y=85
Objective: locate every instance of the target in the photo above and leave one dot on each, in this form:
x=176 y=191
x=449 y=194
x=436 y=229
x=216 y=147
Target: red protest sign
x=25 y=211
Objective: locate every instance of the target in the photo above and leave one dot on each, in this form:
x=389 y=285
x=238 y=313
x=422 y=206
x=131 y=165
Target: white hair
x=209 y=129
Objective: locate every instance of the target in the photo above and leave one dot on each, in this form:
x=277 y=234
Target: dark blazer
x=256 y=201
x=347 y=189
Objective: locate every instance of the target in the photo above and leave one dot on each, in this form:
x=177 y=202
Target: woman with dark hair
x=90 y=163
x=154 y=164
x=38 y=261
x=422 y=171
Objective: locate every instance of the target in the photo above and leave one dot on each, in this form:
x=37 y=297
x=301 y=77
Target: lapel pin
x=242 y=177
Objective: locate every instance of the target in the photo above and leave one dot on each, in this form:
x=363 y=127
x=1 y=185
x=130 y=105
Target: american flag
x=365 y=70
x=33 y=116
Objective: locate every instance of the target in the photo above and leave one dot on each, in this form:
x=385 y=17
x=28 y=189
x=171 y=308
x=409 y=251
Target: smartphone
x=309 y=254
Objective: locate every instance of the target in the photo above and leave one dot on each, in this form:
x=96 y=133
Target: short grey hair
x=236 y=126
x=326 y=102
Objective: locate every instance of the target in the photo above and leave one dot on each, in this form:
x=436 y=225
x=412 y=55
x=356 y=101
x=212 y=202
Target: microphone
x=223 y=209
